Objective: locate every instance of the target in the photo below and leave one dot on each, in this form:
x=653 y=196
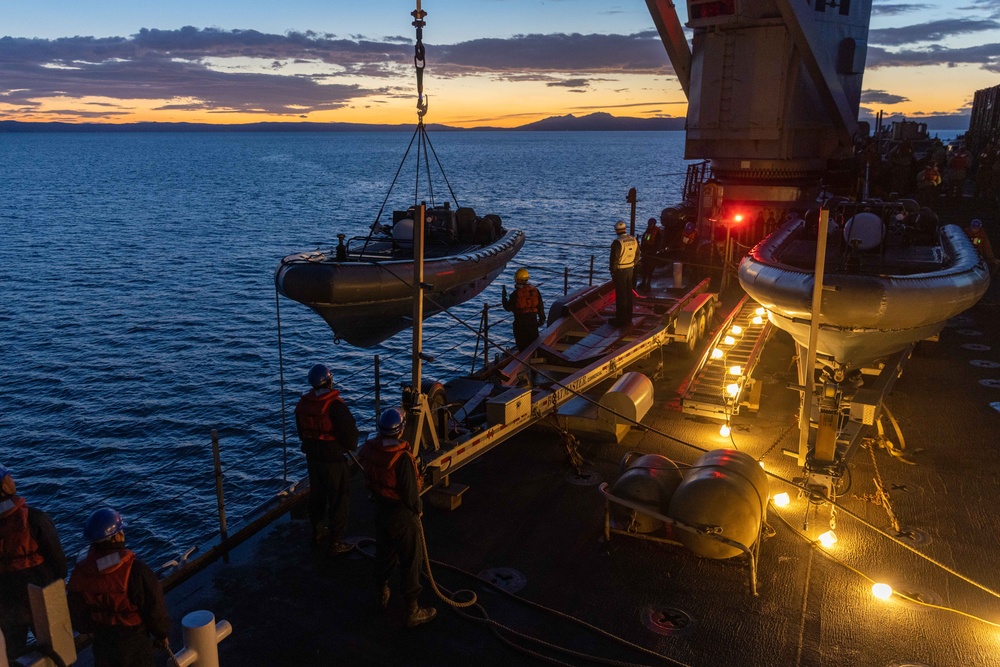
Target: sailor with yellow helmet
x=526 y=304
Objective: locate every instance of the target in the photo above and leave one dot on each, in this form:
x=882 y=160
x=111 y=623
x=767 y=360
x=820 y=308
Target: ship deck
x=529 y=520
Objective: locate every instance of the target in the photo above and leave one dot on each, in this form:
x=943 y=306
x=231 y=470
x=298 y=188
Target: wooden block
x=446 y=497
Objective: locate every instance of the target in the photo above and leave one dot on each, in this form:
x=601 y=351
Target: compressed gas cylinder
x=649 y=480
x=724 y=488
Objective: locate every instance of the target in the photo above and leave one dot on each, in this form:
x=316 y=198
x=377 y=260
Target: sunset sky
x=499 y=63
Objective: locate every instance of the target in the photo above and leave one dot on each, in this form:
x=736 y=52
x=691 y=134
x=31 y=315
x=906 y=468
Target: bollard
x=201 y=639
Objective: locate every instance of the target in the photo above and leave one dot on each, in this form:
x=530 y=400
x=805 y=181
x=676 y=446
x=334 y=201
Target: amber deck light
x=882 y=591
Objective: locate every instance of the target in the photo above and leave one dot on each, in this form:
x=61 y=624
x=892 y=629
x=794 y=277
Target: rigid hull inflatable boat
x=364 y=287
x=892 y=277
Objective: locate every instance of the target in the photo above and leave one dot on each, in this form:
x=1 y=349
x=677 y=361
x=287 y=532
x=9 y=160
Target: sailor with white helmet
x=624 y=252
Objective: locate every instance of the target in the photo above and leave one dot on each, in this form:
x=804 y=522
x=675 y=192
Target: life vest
x=379 y=457
x=312 y=415
x=650 y=240
x=18 y=549
x=930 y=178
x=101 y=580
x=526 y=300
x=628 y=249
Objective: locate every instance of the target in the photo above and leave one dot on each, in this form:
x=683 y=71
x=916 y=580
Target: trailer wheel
x=693 y=338
x=702 y=325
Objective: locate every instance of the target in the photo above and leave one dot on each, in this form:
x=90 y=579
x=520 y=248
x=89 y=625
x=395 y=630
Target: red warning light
x=738 y=218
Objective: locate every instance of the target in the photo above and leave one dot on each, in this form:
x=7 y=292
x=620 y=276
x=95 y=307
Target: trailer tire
x=693 y=338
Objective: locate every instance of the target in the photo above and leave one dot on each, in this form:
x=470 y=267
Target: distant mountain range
x=594 y=122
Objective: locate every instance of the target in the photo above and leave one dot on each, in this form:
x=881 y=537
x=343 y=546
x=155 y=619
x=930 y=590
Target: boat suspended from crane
x=363 y=287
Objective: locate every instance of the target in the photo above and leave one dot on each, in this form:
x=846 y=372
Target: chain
x=777 y=441
x=880 y=497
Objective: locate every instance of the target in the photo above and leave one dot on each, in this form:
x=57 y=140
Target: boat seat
x=592 y=346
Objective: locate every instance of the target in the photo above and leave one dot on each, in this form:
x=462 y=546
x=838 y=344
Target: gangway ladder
x=713 y=389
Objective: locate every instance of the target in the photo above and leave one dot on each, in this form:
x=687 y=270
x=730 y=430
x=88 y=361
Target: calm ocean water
x=139 y=307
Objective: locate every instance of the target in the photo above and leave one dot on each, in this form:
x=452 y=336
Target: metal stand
x=420 y=412
x=711 y=532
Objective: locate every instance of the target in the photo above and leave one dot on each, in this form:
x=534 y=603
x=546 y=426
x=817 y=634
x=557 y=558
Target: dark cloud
x=569 y=83
x=986 y=55
x=895 y=9
x=168 y=65
x=881 y=97
x=933 y=31
x=991 y=7
x=639 y=53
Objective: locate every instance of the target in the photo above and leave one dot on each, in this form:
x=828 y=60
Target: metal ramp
x=713 y=389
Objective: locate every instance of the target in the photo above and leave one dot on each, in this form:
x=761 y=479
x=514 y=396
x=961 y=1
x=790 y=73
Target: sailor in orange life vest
x=328 y=433
x=526 y=304
x=391 y=475
x=977 y=234
x=624 y=251
x=649 y=246
x=30 y=553
x=116 y=597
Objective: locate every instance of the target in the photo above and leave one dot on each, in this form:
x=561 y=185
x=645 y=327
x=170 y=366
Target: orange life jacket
x=102 y=583
x=379 y=457
x=18 y=549
x=313 y=415
x=526 y=300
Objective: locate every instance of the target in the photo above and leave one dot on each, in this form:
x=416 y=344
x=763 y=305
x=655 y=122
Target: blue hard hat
x=4 y=471
x=976 y=224
x=320 y=376
x=391 y=422
x=103 y=524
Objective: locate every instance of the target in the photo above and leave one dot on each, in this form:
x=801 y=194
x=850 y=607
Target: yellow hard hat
x=620 y=227
x=521 y=275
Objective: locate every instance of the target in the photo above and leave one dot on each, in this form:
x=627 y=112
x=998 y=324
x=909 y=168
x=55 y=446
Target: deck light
x=828 y=539
x=732 y=389
x=757 y=319
x=736 y=330
x=735 y=370
x=728 y=340
x=725 y=431
x=781 y=500
x=759 y=311
x=882 y=591
x=717 y=353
